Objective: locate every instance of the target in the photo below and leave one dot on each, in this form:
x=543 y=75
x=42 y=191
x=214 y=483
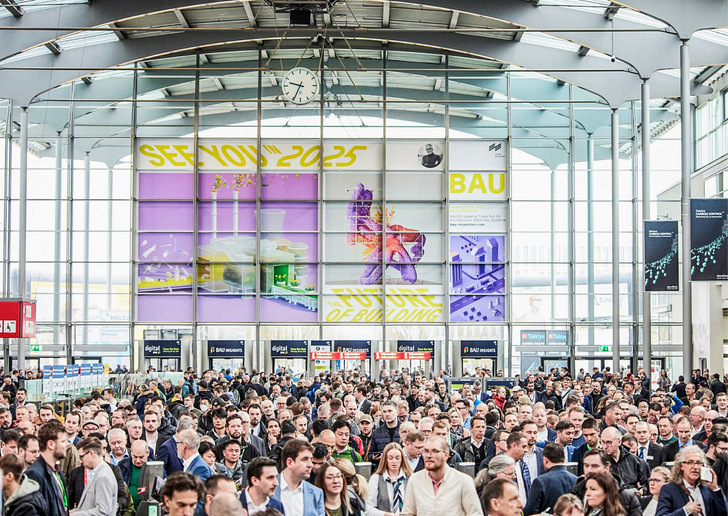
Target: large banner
x=327 y=248
x=708 y=235
x=661 y=257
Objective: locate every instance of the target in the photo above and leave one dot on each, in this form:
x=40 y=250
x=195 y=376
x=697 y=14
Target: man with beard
x=53 y=443
x=236 y=430
x=453 y=489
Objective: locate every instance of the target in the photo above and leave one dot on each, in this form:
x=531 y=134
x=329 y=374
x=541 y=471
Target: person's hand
x=272 y=439
x=693 y=508
x=713 y=484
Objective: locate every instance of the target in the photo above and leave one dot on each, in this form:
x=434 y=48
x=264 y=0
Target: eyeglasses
x=655 y=480
x=693 y=463
x=82 y=455
x=432 y=452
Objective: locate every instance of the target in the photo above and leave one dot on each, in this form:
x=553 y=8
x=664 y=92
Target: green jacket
x=348 y=453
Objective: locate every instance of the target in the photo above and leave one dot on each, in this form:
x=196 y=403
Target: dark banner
x=662 y=270
x=289 y=349
x=708 y=235
x=479 y=348
x=416 y=346
x=354 y=346
x=225 y=348
x=162 y=348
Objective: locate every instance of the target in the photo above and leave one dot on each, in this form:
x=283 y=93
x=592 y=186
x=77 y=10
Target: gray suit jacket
x=99 y=496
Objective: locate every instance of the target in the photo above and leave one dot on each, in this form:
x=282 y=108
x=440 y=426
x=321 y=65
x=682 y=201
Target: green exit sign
x=36 y=347
x=605 y=347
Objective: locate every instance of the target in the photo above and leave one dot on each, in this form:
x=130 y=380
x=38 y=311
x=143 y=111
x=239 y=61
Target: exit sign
x=605 y=347
x=36 y=347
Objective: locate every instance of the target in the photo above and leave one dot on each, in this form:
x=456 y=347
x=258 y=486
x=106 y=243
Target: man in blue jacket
x=299 y=498
x=262 y=483
x=687 y=494
x=188 y=442
x=53 y=443
x=547 y=488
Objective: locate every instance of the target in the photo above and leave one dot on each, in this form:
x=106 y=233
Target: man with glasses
x=687 y=493
x=630 y=469
x=717 y=444
x=99 y=494
x=440 y=489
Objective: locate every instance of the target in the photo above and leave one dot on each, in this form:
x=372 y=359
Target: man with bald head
x=328 y=438
x=697 y=418
x=631 y=470
x=131 y=467
x=439 y=485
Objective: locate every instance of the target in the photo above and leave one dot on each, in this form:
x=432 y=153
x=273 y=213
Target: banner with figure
x=661 y=260
x=708 y=235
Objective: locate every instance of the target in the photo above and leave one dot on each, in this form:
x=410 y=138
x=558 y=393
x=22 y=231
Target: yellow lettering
x=182 y=149
x=233 y=155
x=154 y=159
x=169 y=155
x=457 y=183
x=477 y=183
x=215 y=153
x=493 y=188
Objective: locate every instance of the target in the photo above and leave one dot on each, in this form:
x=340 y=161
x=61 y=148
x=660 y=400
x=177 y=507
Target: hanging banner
x=225 y=348
x=661 y=260
x=354 y=346
x=708 y=235
x=289 y=349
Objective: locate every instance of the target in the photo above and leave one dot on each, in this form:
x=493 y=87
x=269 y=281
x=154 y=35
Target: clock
x=300 y=85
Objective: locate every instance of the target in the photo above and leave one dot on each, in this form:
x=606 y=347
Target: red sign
x=17 y=319
x=398 y=355
x=337 y=355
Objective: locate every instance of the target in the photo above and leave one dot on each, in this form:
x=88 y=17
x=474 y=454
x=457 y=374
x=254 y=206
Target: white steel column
x=646 y=215
x=57 y=244
x=686 y=133
x=22 y=221
x=615 y=240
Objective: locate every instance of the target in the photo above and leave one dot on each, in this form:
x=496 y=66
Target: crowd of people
x=342 y=444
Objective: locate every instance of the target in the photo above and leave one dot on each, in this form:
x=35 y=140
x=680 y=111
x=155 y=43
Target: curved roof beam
x=608 y=80
x=686 y=19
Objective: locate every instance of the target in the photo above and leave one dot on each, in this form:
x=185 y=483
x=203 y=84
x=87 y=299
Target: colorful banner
x=416 y=346
x=477 y=278
x=225 y=348
x=479 y=348
x=289 y=349
x=708 y=235
x=161 y=349
x=478 y=218
x=661 y=256
x=365 y=304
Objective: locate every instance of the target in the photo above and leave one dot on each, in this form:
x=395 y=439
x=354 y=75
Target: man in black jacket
x=473 y=448
x=597 y=461
x=386 y=433
x=53 y=443
x=628 y=467
x=21 y=498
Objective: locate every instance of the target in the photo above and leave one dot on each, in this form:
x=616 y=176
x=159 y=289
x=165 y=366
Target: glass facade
x=418 y=196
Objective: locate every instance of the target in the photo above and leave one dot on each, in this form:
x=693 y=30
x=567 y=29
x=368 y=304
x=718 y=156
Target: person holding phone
x=689 y=492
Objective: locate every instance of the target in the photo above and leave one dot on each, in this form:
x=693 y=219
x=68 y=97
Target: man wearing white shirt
x=262 y=482
x=299 y=498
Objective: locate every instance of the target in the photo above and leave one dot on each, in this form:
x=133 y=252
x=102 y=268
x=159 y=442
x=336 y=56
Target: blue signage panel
x=162 y=348
x=479 y=348
x=417 y=346
x=354 y=346
x=225 y=348
x=289 y=349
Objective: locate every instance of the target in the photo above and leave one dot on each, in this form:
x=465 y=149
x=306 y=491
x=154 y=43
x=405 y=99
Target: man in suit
x=648 y=451
x=362 y=403
x=684 y=439
x=99 y=497
x=53 y=443
x=414 y=442
x=262 y=482
x=534 y=455
x=547 y=488
x=690 y=495
x=188 y=442
x=168 y=451
x=299 y=498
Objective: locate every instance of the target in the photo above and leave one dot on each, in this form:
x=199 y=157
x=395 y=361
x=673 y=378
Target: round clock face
x=300 y=85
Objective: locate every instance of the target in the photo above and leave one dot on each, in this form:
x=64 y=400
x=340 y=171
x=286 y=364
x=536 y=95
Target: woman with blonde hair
x=658 y=478
x=357 y=486
x=456 y=423
x=388 y=484
x=568 y=505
